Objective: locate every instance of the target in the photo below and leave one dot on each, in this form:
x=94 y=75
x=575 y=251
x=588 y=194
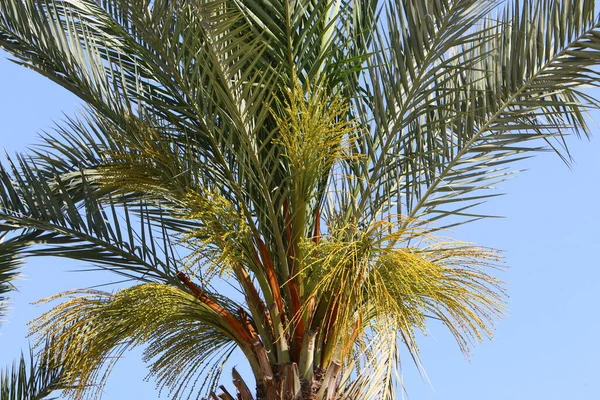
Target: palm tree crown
x=307 y=152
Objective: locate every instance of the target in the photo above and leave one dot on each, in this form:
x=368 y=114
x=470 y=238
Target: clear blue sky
x=547 y=346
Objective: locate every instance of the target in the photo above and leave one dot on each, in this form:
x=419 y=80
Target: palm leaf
x=33 y=377
x=187 y=342
x=9 y=263
x=376 y=369
x=41 y=217
x=470 y=103
x=541 y=99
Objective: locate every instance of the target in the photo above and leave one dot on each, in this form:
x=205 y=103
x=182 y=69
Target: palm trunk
x=285 y=384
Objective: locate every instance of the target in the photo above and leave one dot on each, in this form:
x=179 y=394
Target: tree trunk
x=285 y=384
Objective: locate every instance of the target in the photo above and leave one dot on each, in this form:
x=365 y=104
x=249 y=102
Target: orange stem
x=317 y=235
x=297 y=318
x=253 y=294
x=245 y=318
x=271 y=276
x=232 y=322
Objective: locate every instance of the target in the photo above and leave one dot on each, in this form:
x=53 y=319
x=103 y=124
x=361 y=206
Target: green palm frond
x=77 y=149
x=446 y=128
x=33 y=377
x=395 y=99
x=41 y=216
x=540 y=98
x=9 y=264
x=169 y=82
x=187 y=342
x=313 y=40
x=223 y=124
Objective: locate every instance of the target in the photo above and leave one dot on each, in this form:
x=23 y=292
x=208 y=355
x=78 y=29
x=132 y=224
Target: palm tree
x=307 y=153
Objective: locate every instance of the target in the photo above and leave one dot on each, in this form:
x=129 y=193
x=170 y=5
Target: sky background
x=546 y=347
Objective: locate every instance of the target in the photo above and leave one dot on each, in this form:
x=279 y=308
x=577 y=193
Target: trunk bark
x=285 y=384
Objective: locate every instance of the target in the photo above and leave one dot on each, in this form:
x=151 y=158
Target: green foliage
x=33 y=377
x=306 y=152
x=9 y=263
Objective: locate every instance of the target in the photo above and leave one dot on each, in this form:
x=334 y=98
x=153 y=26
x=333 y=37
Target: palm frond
x=536 y=78
x=472 y=100
x=363 y=280
x=187 y=341
x=41 y=217
x=77 y=148
x=9 y=264
x=33 y=377
x=373 y=373
x=313 y=40
x=34 y=33
x=170 y=82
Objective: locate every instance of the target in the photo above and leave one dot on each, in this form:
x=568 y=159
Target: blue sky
x=547 y=346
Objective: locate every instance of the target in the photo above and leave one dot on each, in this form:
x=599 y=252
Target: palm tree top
x=307 y=152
